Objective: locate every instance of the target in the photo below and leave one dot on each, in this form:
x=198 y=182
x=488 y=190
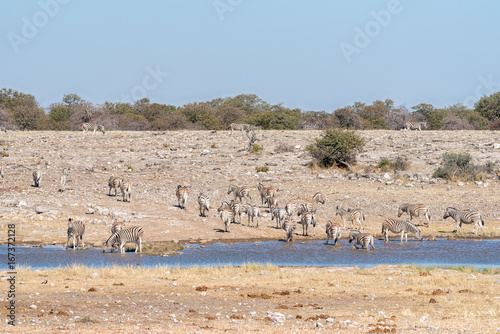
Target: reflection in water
x=480 y=254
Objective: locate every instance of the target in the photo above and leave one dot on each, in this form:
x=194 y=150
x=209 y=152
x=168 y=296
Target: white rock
x=277 y=317
x=33 y=306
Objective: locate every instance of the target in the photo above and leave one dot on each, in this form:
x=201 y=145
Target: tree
x=489 y=106
x=348 y=118
x=72 y=100
x=374 y=116
x=425 y=112
x=27 y=117
x=59 y=117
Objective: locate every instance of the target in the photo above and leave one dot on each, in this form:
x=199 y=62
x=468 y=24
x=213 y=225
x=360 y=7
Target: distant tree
x=317 y=120
x=228 y=114
x=397 y=118
x=84 y=112
x=374 y=116
x=458 y=117
x=28 y=117
x=489 y=106
x=201 y=114
x=348 y=118
x=72 y=100
x=425 y=112
x=170 y=121
x=59 y=117
x=454 y=122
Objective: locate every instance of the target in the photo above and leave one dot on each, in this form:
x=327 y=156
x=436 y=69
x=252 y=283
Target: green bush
x=262 y=169
x=256 y=148
x=457 y=166
x=384 y=163
x=4 y=153
x=336 y=148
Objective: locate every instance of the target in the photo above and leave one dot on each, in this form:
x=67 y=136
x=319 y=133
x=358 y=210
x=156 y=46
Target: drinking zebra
x=132 y=234
x=63 y=179
x=93 y=127
x=351 y=215
x=239 y=192
x=415 y=126
x=362 y=239
x=114 y=183
x=466 y=217
x=288 y=226
x=333 y=231
x=415 y=210
x=253 y=212
x=240 y=127
x=227 y=216
x=37 y=177
x=400 y=226
x=307 y=219
x=126 y=189
x=204 y=203
x=116 y=227
x=266 y=193
x=280 y=215
x=76 y=229
x=182 y=193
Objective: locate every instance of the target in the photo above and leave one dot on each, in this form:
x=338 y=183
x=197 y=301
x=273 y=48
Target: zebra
x=114 y=183
x=227 y=216
x=333 y=231
x=415 y=210
x=288 y=227
x=237 y=208
x=182 y=196
x=239 y=192
x=466 y=217
x=266 y=192
x=307 y=219
x=37 y=177
x=93 y=127
x=362 y=239
x=241 y=127
x=76 y=229
x=253 y=212
x=116 y=227
x=313 y=207
x=415 y=126
x=204 y=202
x=121 y=237
x=351 y=215
x=290 y=208
x=63 y=179
x=126 y=189
x=280 y=215
x=271 y=202
x=400 y=226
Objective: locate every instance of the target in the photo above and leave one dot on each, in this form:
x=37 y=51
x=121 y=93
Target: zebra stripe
x=290 y=208
x=204 y=203
x=400 y=226
x=240 y=127
x=237 y=208
x=280 y=215
x=362 y=239
x=182 y=196
x=415 y=210
x=253 y=212
x=271 y=202
x=76 y=229
x=466 y=217
x=116 y=227
x=307 y=219
x=415 y=126
x=126 y=189
x=132 y=234
x=333 y=231
x=266 y=192
x=239 y=192
x=319 y=198
x=93 y=127
x=288 y=226
x=306 y=207
x=114 y=183
x=351 y=215
x=227 y=216
x=37 y=177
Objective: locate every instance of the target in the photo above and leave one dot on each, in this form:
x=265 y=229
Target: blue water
x=475 y=253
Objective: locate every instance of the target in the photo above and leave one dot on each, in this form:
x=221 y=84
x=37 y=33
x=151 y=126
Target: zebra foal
x=93 y=127
x=114 y=183
x=465 y=217
x=415 y=210
x=121 y=237
x=182 y=193
x=204 y=203
x=400 y=226
x=226 y=215
x=37 y=177
x=76 y=229
x=126 y=189
x=333 y=231
x=288 y=226
x=307 y=219
x=362 y=239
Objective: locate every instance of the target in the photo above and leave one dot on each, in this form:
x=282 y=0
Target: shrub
x=336 y=148
x=4 y=153
x=457 y=166
x=400 y=163
x=284 y=147
x=256 y=148
x=384 y=163
x=262 y=169
x=213 y=146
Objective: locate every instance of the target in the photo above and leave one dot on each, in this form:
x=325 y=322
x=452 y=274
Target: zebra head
x=401 y=209
x=338 y=211
x=319 y=198
x=448 y=212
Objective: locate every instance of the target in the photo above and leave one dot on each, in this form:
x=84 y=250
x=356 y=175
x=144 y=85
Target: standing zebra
x=288 y=226
x=182 y=196
x=271 y=202
x=237 y=208
x=290 y=208
x=362 y=239
x=126 y=189
x=466 y=217
x=76 y=229
x=265 y=192
x=280 y=215
x=307 y=219
x=239 y=192
x=253 y=212
x=204 y=202
x=63 y=179
x=226 y=215
x=114 y=183
x=241 y=127
x=333 y=231
x=415 y=126
x=93 y=127
x=400 y=226
x=37 y=177
x=313 y=207
x=415 y=210
x=132 y=234
x=351 y=215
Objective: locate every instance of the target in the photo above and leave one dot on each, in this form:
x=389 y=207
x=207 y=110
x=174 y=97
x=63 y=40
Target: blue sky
x=314 y=55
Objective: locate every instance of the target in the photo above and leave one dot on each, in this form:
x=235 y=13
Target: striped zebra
x=362 y=239
x=120 y=238
x=271 y=202
x=240 y=127
x=289 y=227
x=351 y=215
x=415 y=210
x=266 y=192
x=400 y=226
x=182 y=193
x=465 y=217
x=313 y=207
x=279 y=215
x=116 y=227
x=253 y=212
x=76 y=229
x=227 y=216
x=237 y=208
x=307 y=219
x=37 y=177
x=63 y=179
x=415 y=126
x=114 y=183
x=93 y=127
x=290 y=208
x=204 y=203
x=239 y=192
x=126 y=189
x=333 y=231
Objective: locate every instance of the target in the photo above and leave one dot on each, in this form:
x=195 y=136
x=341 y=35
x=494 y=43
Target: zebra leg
x=67 y=243
x=140 y=245
x=83 y=243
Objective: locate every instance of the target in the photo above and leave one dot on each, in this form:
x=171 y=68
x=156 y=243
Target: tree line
x=21 y=111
